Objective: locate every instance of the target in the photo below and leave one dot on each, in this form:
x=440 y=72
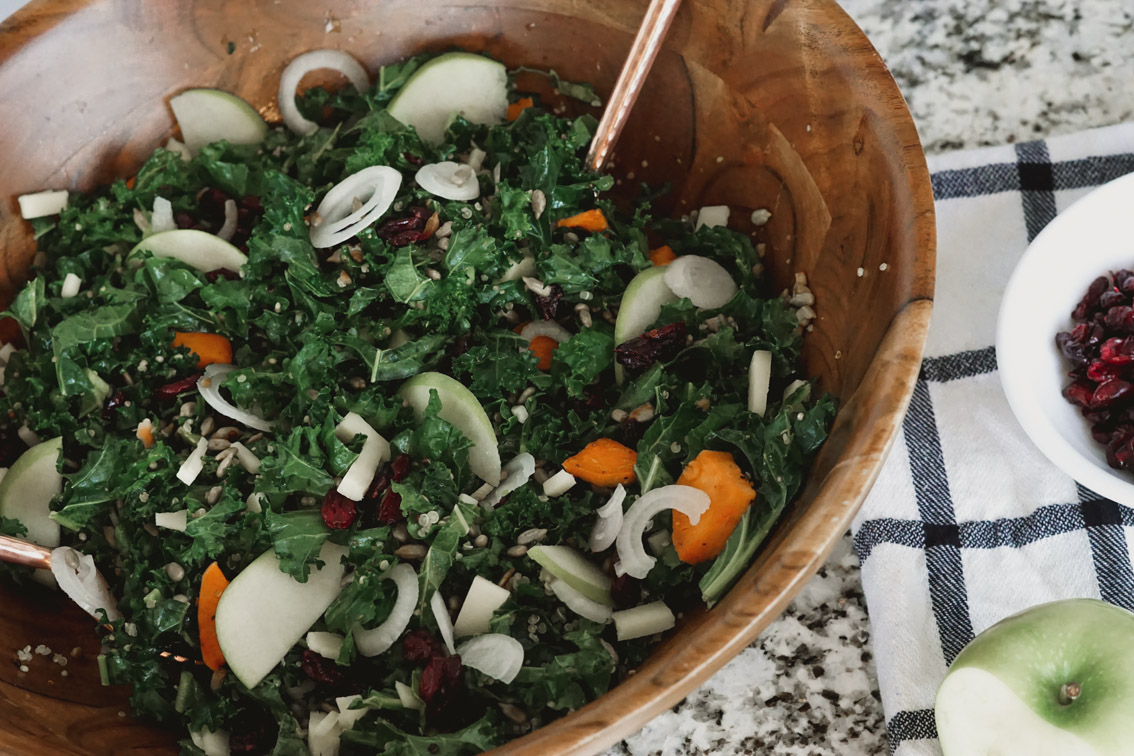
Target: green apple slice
x=460 y=407
x=641 y=305
x=264 y=612
x=210 y=115
x=575 y=570
x=28 y=488
x=198 y=249
x=1056 y=678
x=453 y=84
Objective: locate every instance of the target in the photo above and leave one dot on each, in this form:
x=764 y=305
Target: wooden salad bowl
x=776 y=104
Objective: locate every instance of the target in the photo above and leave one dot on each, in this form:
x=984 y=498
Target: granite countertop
x=972 y=76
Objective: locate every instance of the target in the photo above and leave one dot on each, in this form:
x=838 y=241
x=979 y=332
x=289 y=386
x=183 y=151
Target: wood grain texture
x=777 y=104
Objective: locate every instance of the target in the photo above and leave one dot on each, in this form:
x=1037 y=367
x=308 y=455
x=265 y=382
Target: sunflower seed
x=517 y=551
x=214 y=494
x=530 y=536
x=410 y=551
x=218 y=444
x=207 y=426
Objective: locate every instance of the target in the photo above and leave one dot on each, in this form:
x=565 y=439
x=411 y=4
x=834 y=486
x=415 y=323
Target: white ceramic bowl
x=1090 y=238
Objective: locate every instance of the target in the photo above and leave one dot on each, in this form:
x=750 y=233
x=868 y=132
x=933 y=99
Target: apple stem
x=1069 y=692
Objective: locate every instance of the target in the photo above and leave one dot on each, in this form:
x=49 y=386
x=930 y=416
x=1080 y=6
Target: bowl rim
x=1016 y=373
x=788 y=563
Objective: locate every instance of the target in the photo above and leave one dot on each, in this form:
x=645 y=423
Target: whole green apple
x=1055 y=679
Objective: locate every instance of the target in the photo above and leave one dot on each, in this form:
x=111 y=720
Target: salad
x=391 y=430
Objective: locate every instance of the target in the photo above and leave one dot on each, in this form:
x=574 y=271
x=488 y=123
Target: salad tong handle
x=16 y=551
x=645 y=49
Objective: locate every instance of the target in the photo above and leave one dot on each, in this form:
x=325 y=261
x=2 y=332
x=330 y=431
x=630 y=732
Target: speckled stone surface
x=974 y=73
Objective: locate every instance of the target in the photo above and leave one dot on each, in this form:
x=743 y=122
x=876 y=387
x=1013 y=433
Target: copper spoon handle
x=630 y=80
x=15 y=551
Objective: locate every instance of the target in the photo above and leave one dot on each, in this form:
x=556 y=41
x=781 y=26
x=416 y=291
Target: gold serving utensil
x=641 y=58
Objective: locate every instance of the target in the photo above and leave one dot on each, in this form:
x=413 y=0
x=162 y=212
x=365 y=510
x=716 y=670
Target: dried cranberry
x=1071 y=348
x=1108 y=393
x=171 y=390
x=1112 y=298
x=378 y=485
x=338 y=511
x=411 y=158
x=420 y=646
x=184 y=220
x=390 y=509
x=116 y=400
x=629 y=432
x=548 y=306
x=1078 y=393
x=1118 y=317
x=1117 y=351
x=420 y=212
x=253 y=732
x=657 y=344
x=1102 y=371
x=404 y=238
x=1091 y=298
x=442 y=682
x=320 y=669
x=626 y=591
x=401 y=467
x=215 y=275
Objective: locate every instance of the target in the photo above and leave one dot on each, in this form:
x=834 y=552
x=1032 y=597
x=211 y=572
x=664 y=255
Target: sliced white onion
x=348 y=717
x=176 y=145
x=27 y=435
x=246 y=457
x=336 y=60
x=759 y=377
x=514 y=474
x=496 y=655
x=230 y=217
x=212 y=743
x=42 y=204
x=644 y=620
x=81 y=581
x=525 y=266
x=172 y=520
x=705 y=282
x=476 y=158
x=484 y=598
x=375 y=451
x=6 y=352
x=323 y=733
x=444 y=623
x=327 y=645
x=712 y=215
x=635 y=562
x=162 y=217
x=209 y=388
x=375 y=187
x=192 y=466
x=379 y=639
x=609 y=521
x=408 y=698
x=792 y=387
x=548 y=328
x=449 y=180
x=71 y=286
x=578 y=603
x=559 y=484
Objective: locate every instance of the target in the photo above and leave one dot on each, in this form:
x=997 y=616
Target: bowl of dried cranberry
x=1065 y=341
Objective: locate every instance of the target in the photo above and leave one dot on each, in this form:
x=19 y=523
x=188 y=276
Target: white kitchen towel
x=968 y=522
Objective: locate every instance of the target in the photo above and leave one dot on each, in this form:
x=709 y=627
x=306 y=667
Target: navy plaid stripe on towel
x=968 y=523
